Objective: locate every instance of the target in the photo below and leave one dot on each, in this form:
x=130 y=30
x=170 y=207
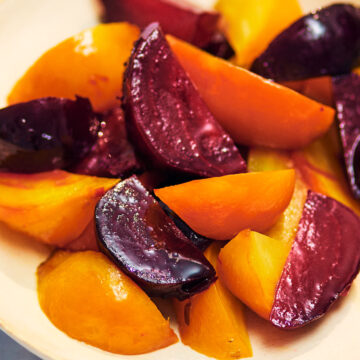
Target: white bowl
x=27 y=29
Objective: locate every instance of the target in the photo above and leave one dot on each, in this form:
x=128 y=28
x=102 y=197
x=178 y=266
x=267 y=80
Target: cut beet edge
x=144 y=242
x=345 y=91
x=324 y=42
x=46 y=134
x=323 y=261
x=167 y=120
x=112 y=155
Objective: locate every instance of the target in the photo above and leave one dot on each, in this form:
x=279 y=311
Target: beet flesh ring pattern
x=112 y=155
x=323 y=261
x=325 y=42
x=46 y=134
x=167 y=120
x=144 y=242
x=179 y=18
x=346 y=90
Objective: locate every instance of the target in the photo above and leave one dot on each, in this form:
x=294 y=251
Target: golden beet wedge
x=253 y=110
x=85 y=295
x=53 y=207
x=220 y=207
x=250 y=265
x=89 y=64
x=212 y=322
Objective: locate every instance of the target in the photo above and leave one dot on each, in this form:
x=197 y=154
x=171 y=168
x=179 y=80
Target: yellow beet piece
x=261 y=159
x=250 y=265
x=212 y=322
x=90 y=299
x=252 y=25
x=53 y=207
x=89 y=64
x=220 y=207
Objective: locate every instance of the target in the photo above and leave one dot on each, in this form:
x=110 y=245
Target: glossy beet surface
x=322 y=263
x=178 y=18
x=346 y=90
x=140 y=238
x=326 y=42
x=45 y=134
x=166 y=118
x=112 y=155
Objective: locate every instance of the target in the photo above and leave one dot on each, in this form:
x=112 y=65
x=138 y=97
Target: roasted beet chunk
x=145 y=243
x=179 y=18
x=325 y=42
x=166 y=118
x=346 y=90
x=46 y=134
x=112 y=155
x=322 y=263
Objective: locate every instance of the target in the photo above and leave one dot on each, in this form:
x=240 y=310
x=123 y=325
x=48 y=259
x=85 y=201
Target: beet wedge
x=323 y=262
x=324 y=42
x=167 y=120
x=145 y=243
x=46 y=134
x=112 y=155
x=345 y=92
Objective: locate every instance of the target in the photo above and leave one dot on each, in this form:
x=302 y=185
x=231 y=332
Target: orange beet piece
x=89 y=64
x=254 y=111
x=85 y=295
x=213 y=322
x=252 y=25
x=250 y=265
x=319 y=89
x=53 y=207
x=220 y=207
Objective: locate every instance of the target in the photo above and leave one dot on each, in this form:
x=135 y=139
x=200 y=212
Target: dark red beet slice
x=46 y=134
x=166 y=118
x=323 y=261
x=346 y=90
x=325 y=42
x=145 y=243
x=178 y=18
x=201 y=242
x=219 y=46
x=112 y=155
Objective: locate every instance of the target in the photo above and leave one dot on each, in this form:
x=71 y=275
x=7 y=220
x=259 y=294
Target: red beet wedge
x=46 y=134
x=144 y=242
x=323 y=261
x=346 y=90
x=179 y=18
x=112 y=155
x=167 y=120
x=324 y=42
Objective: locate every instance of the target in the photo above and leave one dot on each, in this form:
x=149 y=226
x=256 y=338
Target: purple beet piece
x=201 y=242
x=112 y=155
x=179 y=18
x=346 y=90
x=167 y=120
x=325 y=42
x=46 y=134
x=219 y=46
x=145 y=243
x=323 y=262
